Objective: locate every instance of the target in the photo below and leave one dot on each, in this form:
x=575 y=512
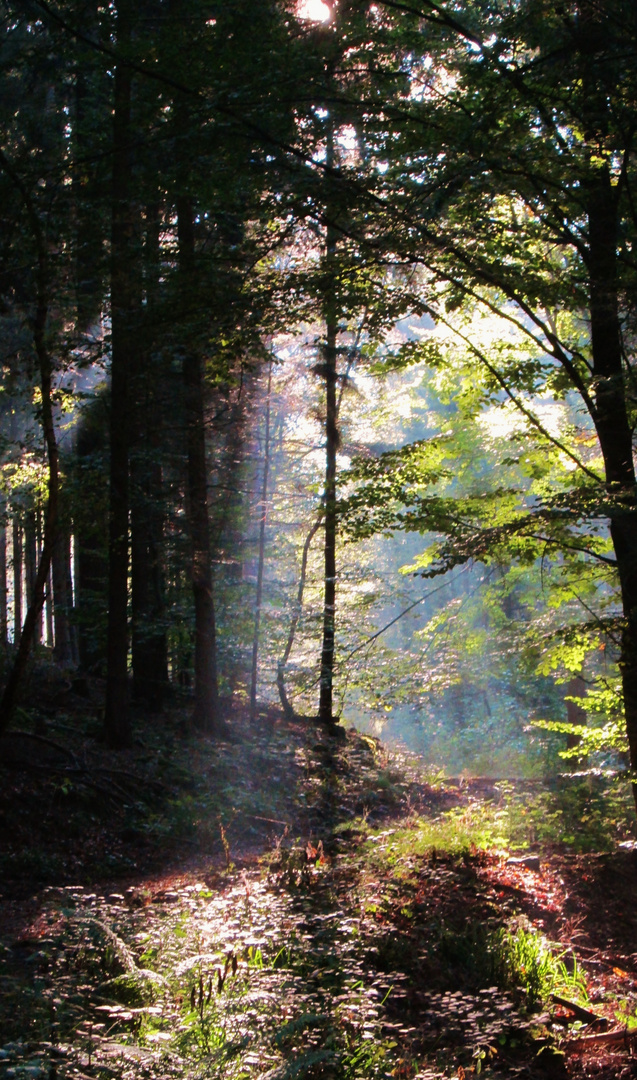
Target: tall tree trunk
x=50 y=636
x=30 y=566
x=329 y=601
x=282 y=664
x=613 y=428
x=326 y=696
x=17 y=577
x=91 y=112
x=206 y=713
x=91 y=559
x=87 y=221
x=262 y=523
x=40 y=317
x=181 y=651
x=149 y=648
x=123 y=317
x=65 y=650
x=149 y=643
x=4 y=626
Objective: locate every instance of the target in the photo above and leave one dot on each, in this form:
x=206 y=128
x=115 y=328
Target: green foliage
x=522 y=958
x=584 y=814
x=543 y=604
x=514 y=958
x=590 y=740
x=580 y=814
x=477 y=826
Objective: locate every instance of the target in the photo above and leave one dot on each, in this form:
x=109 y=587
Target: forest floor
x=285 y=905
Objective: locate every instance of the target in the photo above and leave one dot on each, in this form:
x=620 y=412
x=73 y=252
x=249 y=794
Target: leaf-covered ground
x=287 y=905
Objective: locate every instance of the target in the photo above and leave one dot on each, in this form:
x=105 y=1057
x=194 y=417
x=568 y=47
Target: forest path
x=317 y=908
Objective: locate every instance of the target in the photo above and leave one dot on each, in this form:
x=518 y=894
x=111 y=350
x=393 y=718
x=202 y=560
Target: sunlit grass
x=575 y=816
x=479 y=826
x=525 y=958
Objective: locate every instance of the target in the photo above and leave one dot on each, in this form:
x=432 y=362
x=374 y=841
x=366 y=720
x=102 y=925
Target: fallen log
x=604 y=1038
x=579 y=1011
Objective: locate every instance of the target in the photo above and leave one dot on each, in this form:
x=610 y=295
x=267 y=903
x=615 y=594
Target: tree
x=35 y=208
x=508 y=179
x=339 y=73
x=263 y=514
x=125 y=298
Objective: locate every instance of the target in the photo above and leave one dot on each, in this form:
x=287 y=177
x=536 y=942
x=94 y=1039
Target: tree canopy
x=199 y=199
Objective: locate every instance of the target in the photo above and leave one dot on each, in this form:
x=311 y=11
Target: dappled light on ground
x=332 y=913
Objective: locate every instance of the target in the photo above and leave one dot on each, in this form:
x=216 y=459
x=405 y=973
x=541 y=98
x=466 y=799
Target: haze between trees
x=181 y=197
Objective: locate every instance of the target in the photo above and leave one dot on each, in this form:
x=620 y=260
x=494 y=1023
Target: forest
x=318 y=539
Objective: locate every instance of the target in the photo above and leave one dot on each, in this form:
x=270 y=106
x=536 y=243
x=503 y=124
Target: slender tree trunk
x=30 y=566
x=4 y=627
x=40 y=625
x=17 y=577
x=326 y=696
x=50 y=636
x=9 y=697
x=91 y=113
x=140 y=589
x=613 y=429
x=329 y=602
x=282 y=664
x=87 y=248
x=149 y=641
x=123 y=317
x=91 y=567
x=64 y=651
x=206 y=714
x=262 y=523
x=182 y=640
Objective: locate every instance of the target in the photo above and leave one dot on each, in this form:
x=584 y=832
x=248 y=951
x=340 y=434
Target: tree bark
x=261 y=564
x=40 y=318
x=4 y=626
x=48 y=621
x=91 y=547
x=149 y=642
x=17 y=576
x=282 y=664
x=123 y=317
x=149 y=647
x=613 y=428
x=206 y=712
x=326 y=698
x=65 y=647
x=326 y=693
x=89 y=239
x=30 y=566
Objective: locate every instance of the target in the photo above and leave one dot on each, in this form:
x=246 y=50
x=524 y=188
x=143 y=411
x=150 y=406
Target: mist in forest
x=416 y=663
x=267 y=444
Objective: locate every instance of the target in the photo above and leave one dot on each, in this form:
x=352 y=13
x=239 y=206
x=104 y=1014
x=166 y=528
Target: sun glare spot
x=346 y=137
x=315 y=10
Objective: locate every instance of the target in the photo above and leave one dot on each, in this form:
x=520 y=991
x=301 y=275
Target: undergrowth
x=362 y=950
x=522 y=958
